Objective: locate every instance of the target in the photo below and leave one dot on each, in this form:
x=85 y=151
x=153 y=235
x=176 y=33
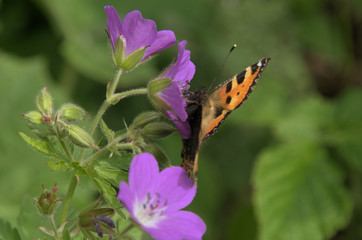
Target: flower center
x=151 y=210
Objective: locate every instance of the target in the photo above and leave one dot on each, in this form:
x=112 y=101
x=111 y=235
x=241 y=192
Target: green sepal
x=159 y=154
x=80 y=137
x=44 y=102
x=40 y=146
x=71 y=112
x=62 y=166
x=118 y=53
x=158 y=85
x=107 y=132
x=145 y=118
x=133 y=59
x=158 y=129
x=33 y=117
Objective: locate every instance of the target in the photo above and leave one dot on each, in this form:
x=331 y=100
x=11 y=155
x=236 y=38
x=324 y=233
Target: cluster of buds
x=46 y=122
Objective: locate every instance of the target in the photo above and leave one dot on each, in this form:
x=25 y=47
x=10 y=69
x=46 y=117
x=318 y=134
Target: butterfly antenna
x=222 y=65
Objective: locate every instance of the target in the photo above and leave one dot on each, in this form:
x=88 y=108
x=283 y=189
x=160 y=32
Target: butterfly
x=207 y=111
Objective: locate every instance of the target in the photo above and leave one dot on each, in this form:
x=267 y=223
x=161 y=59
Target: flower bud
x=133 y=59
x=80 y=137
x=44 y=102
x=158 y=129
x=146 y=117
x=71 y=112
x=47 y=202
x=33 y=117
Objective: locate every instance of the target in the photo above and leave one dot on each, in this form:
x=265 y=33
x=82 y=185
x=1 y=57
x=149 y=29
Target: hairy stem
x=66 y=203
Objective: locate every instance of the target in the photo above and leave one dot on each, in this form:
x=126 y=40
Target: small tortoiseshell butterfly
x=207 y=111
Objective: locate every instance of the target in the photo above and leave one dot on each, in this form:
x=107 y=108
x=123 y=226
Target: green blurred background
x=287 y=165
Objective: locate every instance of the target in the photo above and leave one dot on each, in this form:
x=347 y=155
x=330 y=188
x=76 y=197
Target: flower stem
x=64 y=146
x=94 y=156
x=66 y=204
x=112 y=87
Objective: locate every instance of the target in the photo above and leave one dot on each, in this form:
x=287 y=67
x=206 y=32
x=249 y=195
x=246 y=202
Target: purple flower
x=181 y=73
x=154 y=200
x=137 y=33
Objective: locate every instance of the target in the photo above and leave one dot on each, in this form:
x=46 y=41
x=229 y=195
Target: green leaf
x=59 y=166
x=28 y=220
x=305 y=121
x=7 y=232
x=114 y=176
x=299 y=194
x=40 y=146
x=78 y=170
x=107 y=132
x=109 y=193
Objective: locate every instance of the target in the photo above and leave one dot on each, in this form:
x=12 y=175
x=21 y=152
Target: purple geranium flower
x=137 y=32
x=181 y=73
x=154 y=200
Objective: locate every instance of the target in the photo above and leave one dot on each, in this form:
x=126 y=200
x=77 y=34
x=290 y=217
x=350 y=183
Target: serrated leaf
x=109 y=193
x=39 y=146
x=59 y=166
x=107 y=132
x=28 y=220
x=7 y=232
x=78 y=170
x=299 y=194
x=114 y=176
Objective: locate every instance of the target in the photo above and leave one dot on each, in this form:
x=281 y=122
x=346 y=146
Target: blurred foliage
x=287 y=165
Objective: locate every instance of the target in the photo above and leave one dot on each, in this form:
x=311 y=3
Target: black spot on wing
x=228 y=100
x=240 y=77
x=218 y=112
x=229 y=85
x=254 y=68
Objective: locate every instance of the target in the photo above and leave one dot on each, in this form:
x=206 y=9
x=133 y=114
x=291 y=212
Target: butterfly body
x=207 y=111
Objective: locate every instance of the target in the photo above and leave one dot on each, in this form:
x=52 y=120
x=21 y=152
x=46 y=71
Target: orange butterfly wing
x=229 y=96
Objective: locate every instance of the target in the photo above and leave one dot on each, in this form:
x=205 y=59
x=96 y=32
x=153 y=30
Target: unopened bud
x=80 y=137
x=44 y=102
x=71 y=112
x=146 y=117
x=158 y=130
x=33 y=117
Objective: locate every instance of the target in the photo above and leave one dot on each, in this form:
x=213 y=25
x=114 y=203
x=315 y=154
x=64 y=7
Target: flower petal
x=183 y=70
x=143 y=174
x=180 y=225
x=176 y=187
x=138 y=32
x=114 y=24
x=173 y=97
x=182 y=126
x=164 y=39
x=126 y=196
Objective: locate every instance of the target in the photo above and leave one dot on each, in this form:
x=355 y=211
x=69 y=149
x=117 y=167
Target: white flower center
x=150 y=210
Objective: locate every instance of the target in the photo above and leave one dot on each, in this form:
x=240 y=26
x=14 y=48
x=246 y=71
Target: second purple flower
x=136 y=39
